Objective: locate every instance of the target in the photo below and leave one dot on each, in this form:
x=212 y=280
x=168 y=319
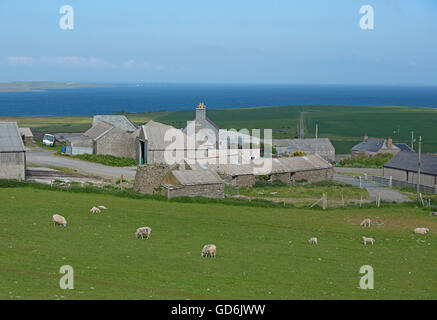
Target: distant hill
x=41 y=86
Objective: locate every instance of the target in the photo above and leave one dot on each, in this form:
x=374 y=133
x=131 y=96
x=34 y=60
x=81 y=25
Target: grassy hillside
x=345 y=126
x=261 y=253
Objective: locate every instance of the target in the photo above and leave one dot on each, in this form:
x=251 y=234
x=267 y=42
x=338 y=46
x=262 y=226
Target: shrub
x=376 y=161
x=107 y=160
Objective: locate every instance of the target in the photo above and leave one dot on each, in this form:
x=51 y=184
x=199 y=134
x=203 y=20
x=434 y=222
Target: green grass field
x=262 y=253
x=345 y=126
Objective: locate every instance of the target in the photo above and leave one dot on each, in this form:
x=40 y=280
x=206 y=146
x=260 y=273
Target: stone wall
x=149 y=177
x=284 y=177
x=13 y=165
x=216 y=190
x=244 y=181
x=313 y=175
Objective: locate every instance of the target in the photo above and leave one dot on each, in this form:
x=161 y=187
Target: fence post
x=390 y=182
x=435 y=189
x=360 y=182
x=365 y=176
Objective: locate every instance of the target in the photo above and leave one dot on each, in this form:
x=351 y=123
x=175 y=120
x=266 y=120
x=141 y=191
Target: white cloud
x=61 y=61
x=132 y=64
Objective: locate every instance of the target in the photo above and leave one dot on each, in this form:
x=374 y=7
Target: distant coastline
x=37 y=86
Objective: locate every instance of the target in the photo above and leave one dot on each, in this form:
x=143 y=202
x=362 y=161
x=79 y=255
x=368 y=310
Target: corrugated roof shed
x=10 y=138
x=119 y=121
x=196 y=177
x=407 y=161
x=98 y=130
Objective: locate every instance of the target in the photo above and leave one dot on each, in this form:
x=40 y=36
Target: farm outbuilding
x=173 y=181
x=12 y=152
x=372 y=146
x=321 y=146
x=105 y=139
x=404 y=167
x=118 y=121
x=289 y=170
x=27 y=135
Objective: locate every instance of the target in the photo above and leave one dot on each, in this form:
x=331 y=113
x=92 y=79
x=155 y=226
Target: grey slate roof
x=370 y=145
x=306 y=145
x=81 y=141
x=403 y=146
x=154 y=133
x=119 y=121
x=407 y=161
x=278 y=165
x=196 y=177
x=98 y=130
x=10 y=138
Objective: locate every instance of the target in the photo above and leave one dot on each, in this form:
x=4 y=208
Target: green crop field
x=262 y=253
x=345 y=126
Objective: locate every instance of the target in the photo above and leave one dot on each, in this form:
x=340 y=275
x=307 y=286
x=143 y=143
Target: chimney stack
x=201 y=111
x=389 y=143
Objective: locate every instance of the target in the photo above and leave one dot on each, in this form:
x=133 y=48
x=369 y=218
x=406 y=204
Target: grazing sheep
x=371 y=240
x=59 y=220
x=209 y=250
x=313 y=240
x=102 y=207
x=366 y=223
x=95 y=210
x=143 y=231
x=433 y=214
x=421 y=230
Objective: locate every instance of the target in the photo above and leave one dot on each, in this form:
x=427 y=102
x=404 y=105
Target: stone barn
x=153 y=147
x=171 y=181
x=12 y=152
x=289 y=170
x=105 y=139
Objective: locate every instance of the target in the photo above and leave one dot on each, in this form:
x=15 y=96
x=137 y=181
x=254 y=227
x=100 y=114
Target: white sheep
x=371 y=240
x=59 y=220
x=209 y=250
x=143 y=231
x=313 y=240
x=102 y=207
x=366 y=222
x=421 y=230
x=95 y=210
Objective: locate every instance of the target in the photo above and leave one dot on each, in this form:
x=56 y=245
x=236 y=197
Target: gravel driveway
x=46 y=158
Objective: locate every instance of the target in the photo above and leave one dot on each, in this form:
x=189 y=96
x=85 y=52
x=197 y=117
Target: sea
x=134 y=98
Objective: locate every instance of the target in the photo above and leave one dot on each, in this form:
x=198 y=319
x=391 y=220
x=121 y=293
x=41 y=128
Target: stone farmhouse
x=372 y=146
x=12 y=152
x=321 y=146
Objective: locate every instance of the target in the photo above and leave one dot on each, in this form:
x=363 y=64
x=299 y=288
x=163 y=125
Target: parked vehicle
x=48 y=140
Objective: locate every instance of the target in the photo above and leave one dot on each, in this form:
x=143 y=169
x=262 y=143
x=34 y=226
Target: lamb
x=313 y=240
x=371 y=240
x=366 y=222
x=433 y=214
x=95 y=210
x=102 y=207
x=209 y=250
x=143 y=231
x=421 y=230
x=59 y=220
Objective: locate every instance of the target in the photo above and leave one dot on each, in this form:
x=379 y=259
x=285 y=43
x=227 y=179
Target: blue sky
x=226 y=41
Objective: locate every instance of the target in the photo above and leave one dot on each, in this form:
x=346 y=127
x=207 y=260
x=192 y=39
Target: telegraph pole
x=418 y=168
x=412 y=140
x=317 y=130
